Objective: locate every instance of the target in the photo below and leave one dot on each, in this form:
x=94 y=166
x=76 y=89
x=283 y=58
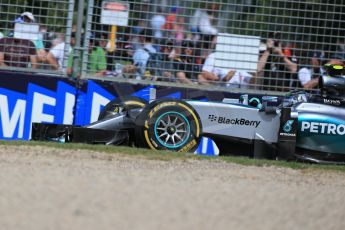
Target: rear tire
x=168 y=124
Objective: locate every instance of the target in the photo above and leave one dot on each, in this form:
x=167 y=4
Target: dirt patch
x=47 y=188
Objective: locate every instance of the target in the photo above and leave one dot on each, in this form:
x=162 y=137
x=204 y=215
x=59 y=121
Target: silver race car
x=303 y=126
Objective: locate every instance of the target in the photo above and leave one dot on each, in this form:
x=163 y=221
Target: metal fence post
x=68 y=33
x=77 y=48
x=85 y=56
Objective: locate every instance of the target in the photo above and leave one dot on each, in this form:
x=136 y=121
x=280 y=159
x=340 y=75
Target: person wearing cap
x=28 y=17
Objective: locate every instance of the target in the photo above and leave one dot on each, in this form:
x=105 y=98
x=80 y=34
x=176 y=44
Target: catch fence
x=256 y=45
x=47 y=23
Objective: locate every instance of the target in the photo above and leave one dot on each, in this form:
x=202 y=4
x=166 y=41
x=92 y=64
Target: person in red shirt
x=170 y=21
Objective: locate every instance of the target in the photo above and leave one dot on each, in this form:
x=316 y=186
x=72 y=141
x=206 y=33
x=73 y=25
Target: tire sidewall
x=146 y=123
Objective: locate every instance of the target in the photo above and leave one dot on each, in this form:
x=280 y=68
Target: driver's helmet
x=333 y=83
x=334 y=70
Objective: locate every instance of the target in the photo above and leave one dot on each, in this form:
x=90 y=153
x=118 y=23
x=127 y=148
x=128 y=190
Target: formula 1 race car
x=304 y=126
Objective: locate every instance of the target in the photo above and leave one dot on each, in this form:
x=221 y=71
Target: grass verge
x=167 y=155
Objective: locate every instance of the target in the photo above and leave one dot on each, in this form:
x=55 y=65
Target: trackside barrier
x=35 y=98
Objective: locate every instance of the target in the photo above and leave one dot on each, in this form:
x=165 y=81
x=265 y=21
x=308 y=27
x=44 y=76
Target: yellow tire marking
x=195 y=118
x=134 y=103
x=188 y=146
x=151 y=113
x=148 y=140
x=159 y=106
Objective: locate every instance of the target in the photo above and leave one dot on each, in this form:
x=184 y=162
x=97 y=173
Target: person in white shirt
x=230 y=77
x=308 y=74
x=140 y=59
x=202 y=20
x=56 y=56
x=157 y=22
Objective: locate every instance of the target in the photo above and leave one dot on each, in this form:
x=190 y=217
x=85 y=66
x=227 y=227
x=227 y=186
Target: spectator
x=141 y=20
x=56 y=55
x=202 y=21
x=49 y=41
x=17 y=52
x=279 y=66
x=138 y=27
x=157 y=22
x=240 y=79
x=143 y=9
x=203 y=49
x=311 y=70
x=179 y=30
x=142 y=55
x=185 y=66
x=166 y=64
x=40 y=48
x=103 y=42
x=28 y=17
x=97 y=64
x=121 y=55
x=231 y=78
x=135 y=33
x=314 y=81
x=124 y=61
x=170 y=21
x=340 y=49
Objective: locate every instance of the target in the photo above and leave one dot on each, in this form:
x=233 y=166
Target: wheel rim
x=172 y=130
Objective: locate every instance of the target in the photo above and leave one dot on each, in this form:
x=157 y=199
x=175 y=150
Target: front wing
x=77 y=134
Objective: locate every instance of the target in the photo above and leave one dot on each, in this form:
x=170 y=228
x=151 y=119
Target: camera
x=276 y=36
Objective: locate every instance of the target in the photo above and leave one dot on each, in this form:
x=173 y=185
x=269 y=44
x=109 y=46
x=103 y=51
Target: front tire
x=168 y=124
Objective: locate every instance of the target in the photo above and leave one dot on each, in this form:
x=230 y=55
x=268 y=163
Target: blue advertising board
x=27 y=98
